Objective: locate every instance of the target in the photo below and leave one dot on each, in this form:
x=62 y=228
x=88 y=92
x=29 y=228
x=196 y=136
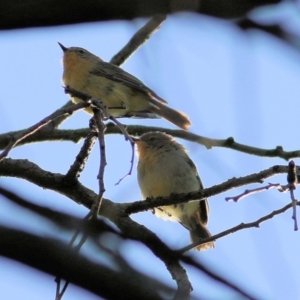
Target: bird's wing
x=117 y=74
x=203 y=205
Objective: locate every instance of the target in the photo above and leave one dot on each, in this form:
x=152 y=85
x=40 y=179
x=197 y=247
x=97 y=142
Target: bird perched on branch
x=121 y=92
x=165 y=168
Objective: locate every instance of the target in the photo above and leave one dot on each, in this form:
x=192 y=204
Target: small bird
x=121 y=92
x=165 y=168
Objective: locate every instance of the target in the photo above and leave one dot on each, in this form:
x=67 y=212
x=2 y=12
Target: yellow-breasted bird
x=165 y=168
x=121 y=92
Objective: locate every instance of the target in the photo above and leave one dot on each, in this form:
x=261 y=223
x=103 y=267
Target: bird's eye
x=152 y=139
x=81 y=51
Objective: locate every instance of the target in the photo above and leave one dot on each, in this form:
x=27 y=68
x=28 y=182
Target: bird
x=164 y=168
x=122 y=93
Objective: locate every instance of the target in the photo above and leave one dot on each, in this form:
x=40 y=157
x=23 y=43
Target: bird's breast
x=164 y=174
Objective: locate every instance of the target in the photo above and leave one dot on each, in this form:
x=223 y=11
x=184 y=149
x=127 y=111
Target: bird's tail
x=201 y=232
x=176 y=117
x=198 y=231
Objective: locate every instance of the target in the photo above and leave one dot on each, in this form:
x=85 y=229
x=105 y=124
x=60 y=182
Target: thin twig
x=59 y=294
x=242 y=226
x=81 y=242
x=45 y=136
x=77 y=167
x=294 y=216
x=75 y=235
x=140 y=37
x=15 y=139
x=131 y=163
x=127 y=138
x=57 y=291
x=269 y=186
x=100 y=129
x=210 y=143
x=59 y=120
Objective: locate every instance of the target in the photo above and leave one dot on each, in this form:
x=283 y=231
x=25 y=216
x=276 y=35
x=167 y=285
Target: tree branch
x=209 y=143
x=20 y=135
x=23 y=14
x=149 y=203
x=242 y=226
x=77 y=167
x=98 y=120
x=140 y=37
x=269 y=186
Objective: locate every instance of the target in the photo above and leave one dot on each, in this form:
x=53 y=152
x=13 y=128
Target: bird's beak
x=63 y=47
x=135 y=139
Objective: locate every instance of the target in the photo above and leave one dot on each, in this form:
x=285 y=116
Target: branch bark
x=78 y=134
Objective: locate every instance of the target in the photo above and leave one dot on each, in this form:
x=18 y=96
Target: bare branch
x=98 y=116
x=294 y=216
x=140 y=37
x=76 y=135
x=59 y=293
x=131 y=164
x=242 y=226
x=267 y=187
x=15 y=139
x=210 y=143
x=59 y=120
x=150 y=203
x=42 y=136
x=77 y=167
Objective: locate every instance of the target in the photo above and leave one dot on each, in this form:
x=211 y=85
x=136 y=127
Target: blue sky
x=228 y=82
